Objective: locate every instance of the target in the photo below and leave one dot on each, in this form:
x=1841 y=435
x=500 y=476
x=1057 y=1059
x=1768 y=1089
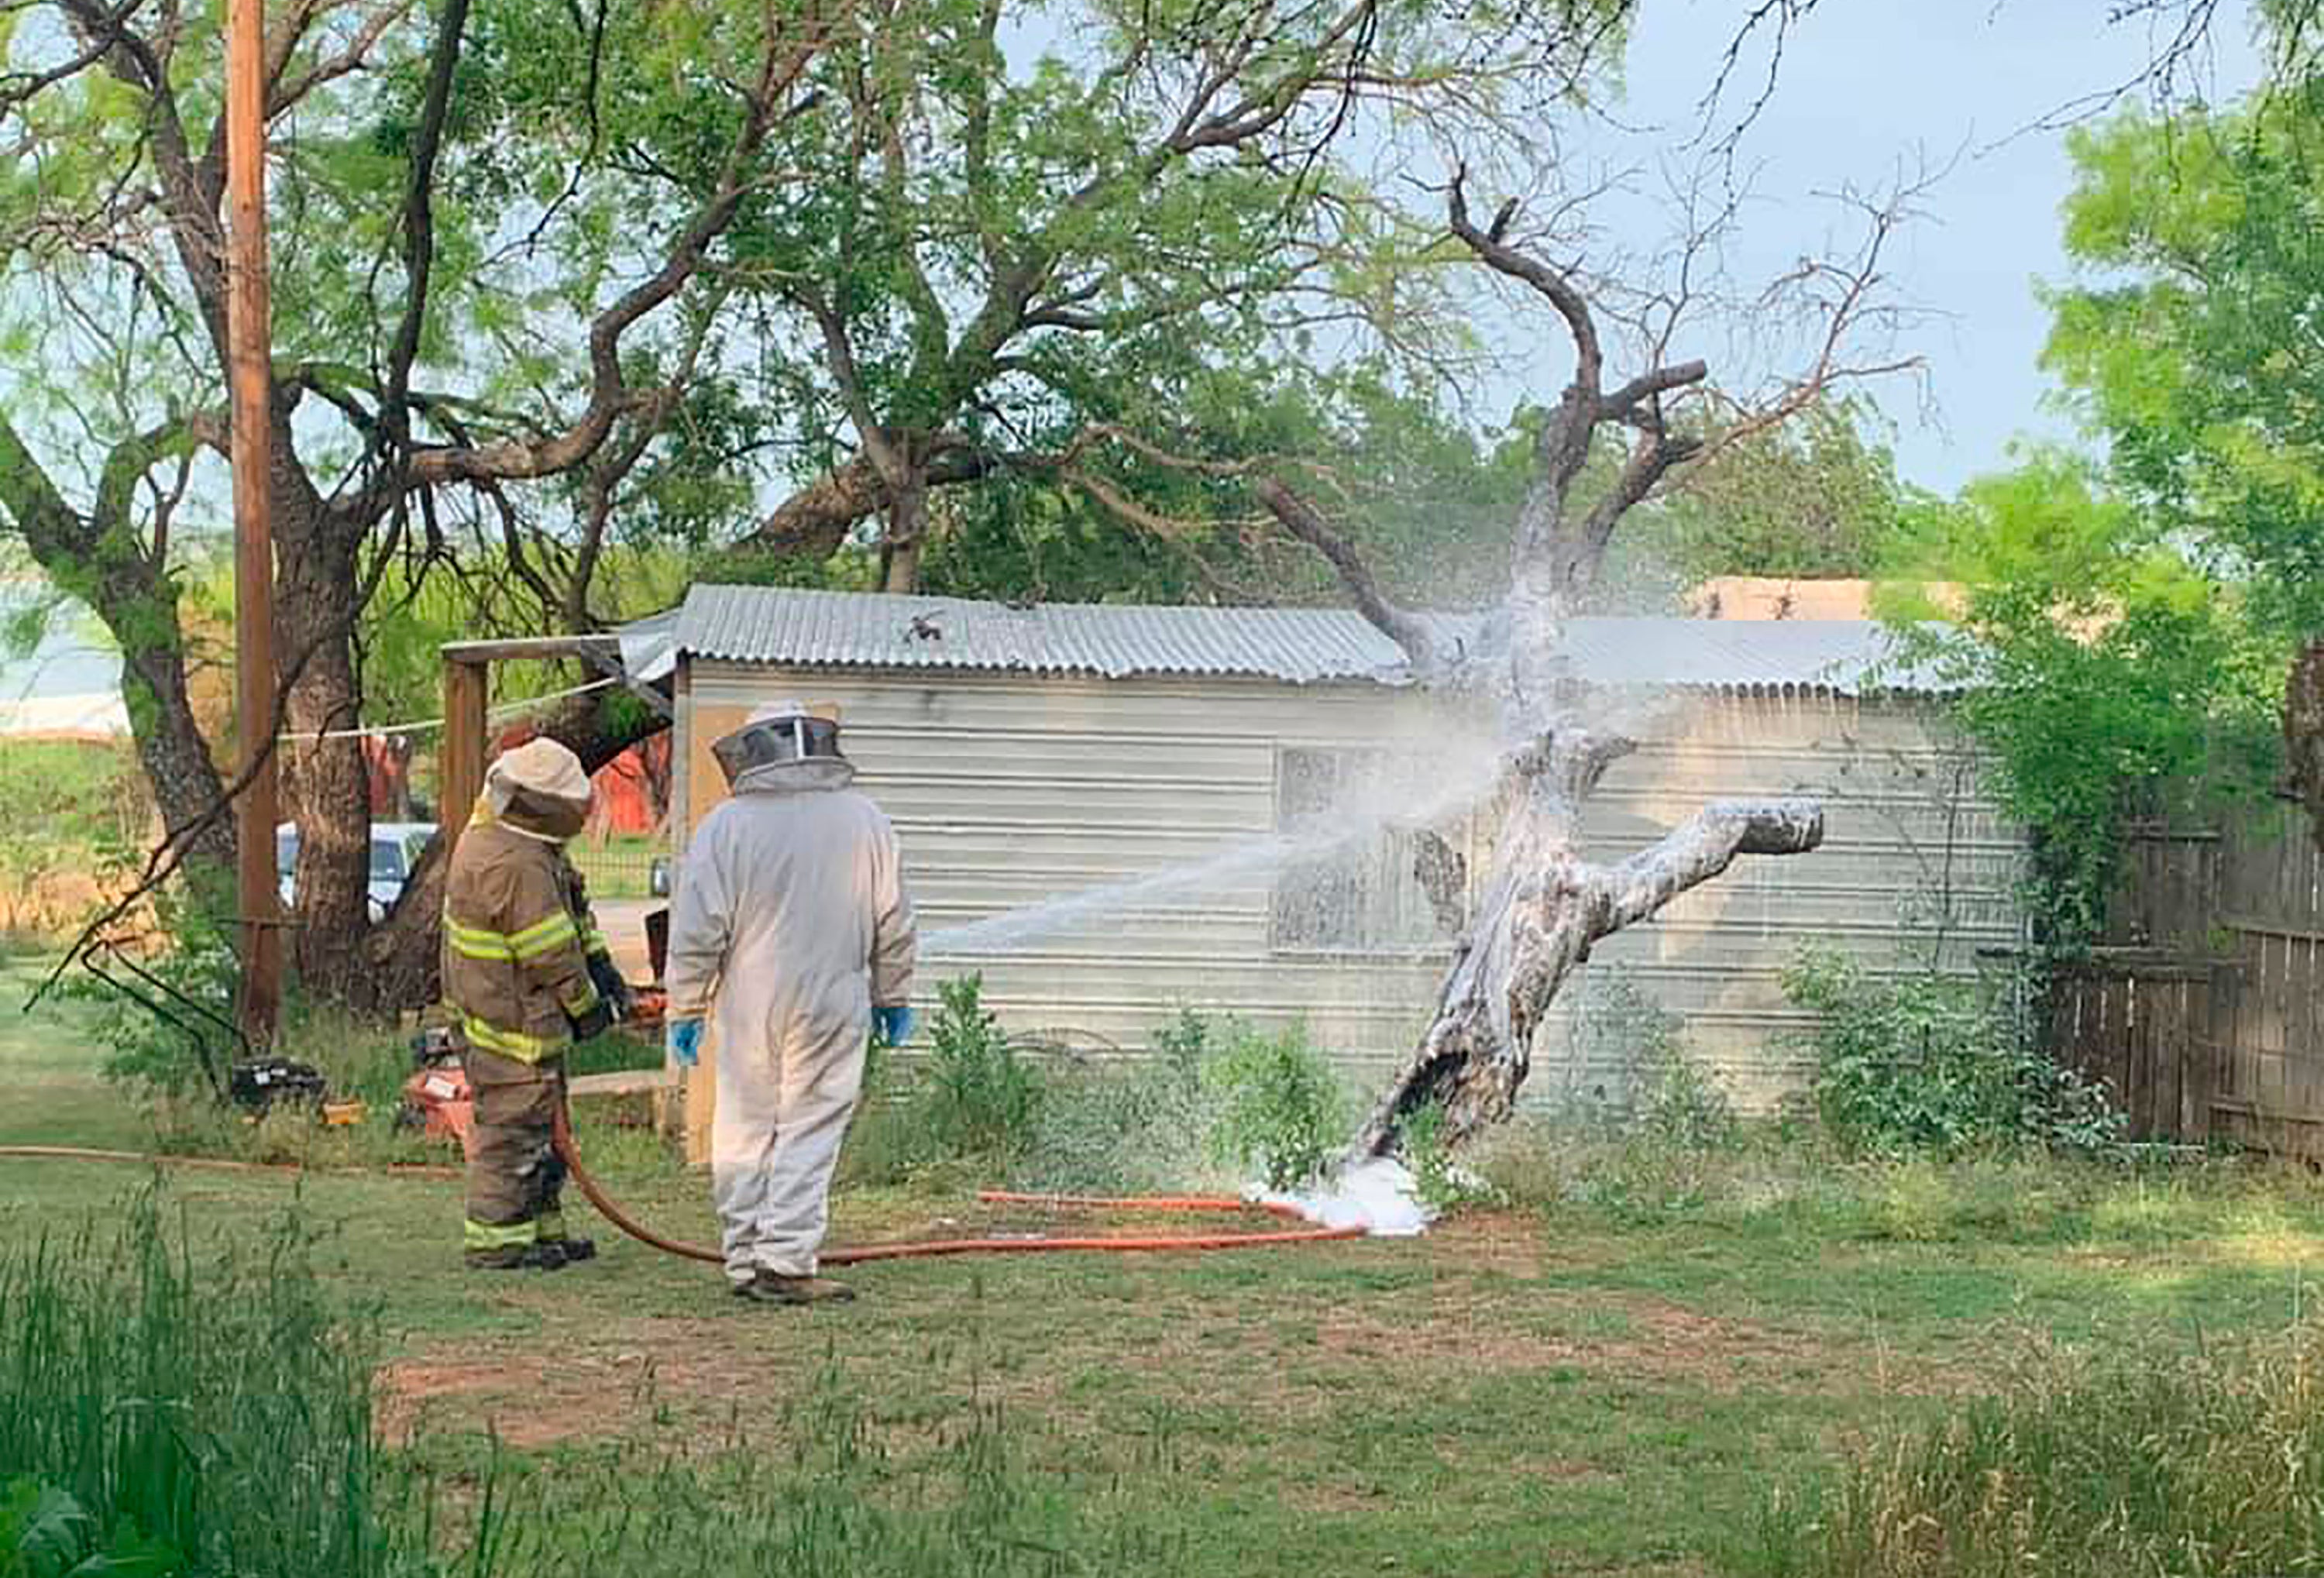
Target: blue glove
x=685 y=1041
x=893 y=1026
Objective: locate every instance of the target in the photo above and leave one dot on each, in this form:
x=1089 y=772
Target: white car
x=395 y=848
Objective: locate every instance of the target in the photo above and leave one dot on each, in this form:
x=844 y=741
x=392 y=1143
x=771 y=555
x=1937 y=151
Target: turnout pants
x=514 y=1176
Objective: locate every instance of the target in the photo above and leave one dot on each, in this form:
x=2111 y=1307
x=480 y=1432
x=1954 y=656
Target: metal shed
x=1213 y=773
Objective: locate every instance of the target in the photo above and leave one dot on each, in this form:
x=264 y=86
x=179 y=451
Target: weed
x=1282 y=1110
x=168 y=1020
x=1130 y=1131
x=1658 y=1091
x=977 y=1098
x=44 y=1532
x=215 y=1407
x=1441 y=1183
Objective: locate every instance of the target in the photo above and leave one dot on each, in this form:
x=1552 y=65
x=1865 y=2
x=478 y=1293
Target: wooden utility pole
x=251 y=380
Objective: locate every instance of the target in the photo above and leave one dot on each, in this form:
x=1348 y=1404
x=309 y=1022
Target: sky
x=1867 y=85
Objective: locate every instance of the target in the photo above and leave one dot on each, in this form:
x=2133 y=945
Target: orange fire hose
x=611 y=1212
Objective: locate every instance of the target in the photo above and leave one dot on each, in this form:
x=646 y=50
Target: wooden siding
x=1009 y=790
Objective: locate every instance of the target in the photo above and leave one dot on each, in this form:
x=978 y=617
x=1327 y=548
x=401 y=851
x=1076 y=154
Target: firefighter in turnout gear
x=526 y=973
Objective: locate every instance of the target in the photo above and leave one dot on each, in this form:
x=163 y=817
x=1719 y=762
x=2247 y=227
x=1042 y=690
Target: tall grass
x=212 y=1402
x=2196 y=1465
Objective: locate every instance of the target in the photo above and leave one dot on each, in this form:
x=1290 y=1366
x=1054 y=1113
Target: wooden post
x=250 y=396
x=463 y=764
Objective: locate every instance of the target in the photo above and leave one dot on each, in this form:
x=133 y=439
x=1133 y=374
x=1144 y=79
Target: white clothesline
x=506 y=709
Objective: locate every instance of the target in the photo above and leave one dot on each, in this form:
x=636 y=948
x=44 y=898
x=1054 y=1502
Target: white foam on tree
x=1378 y=1196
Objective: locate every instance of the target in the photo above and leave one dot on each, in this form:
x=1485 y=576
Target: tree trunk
x=319 y=594
x=1544 y=910
x=2303 y=732
x=172 y=749
x=108 y=560
x=907 y=531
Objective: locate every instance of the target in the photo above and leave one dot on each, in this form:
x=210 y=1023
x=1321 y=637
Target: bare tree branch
x=1693 y=854
x=1302 y=521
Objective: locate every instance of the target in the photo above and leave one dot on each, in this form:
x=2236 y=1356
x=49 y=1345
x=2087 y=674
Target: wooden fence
x=2205 y=1010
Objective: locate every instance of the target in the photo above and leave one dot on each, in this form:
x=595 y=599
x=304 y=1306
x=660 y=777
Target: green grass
x=1595 y=1384
x=49 y=1061
x=2197 y=1463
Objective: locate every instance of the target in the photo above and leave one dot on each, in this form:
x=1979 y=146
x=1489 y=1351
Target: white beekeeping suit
x=791 y=925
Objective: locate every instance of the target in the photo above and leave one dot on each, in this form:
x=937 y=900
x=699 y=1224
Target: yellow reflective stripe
x=486 y=1235
x=550 y=1226
x=583 y=1000
x=546 y=937
x=515 y=1044
x=471 y=944
x=593 y=941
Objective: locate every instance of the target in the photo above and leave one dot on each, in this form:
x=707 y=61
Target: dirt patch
x=1506 y=1243
x=1632 y=1336
x=731 y=1381
x=528 y=1398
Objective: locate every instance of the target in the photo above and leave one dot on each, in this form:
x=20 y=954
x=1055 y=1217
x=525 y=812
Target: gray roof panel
x=797 y=628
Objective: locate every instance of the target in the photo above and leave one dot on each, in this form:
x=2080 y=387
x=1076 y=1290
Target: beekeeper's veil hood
x=777 y=732
x=540 y=787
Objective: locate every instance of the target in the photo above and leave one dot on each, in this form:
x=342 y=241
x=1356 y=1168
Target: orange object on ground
x=447 y=1107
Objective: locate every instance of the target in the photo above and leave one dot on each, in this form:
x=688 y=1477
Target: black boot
x=517 y=1258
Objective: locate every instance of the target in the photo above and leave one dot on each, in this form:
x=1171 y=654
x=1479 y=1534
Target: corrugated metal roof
x=811 y=628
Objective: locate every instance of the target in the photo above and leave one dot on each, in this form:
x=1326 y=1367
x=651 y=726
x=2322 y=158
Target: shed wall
x=1008 y=791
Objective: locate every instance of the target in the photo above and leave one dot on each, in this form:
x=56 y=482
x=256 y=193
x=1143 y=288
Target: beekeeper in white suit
x=791 y=932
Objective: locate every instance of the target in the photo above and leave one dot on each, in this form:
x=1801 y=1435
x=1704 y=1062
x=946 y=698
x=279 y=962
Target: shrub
x=1281 y=1108
x=169 y=1019
x=1660 y=1092
x=977 y=1097
x=1928 y=1063
x=1130 y=1131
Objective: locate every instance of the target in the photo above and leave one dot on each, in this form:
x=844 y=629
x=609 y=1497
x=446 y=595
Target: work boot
x=573 y=1249
x=517 y=1258
x=772 y=1287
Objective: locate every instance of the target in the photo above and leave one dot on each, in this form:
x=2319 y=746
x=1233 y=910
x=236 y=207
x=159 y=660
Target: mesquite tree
x=1543 y=907
x=442 y=219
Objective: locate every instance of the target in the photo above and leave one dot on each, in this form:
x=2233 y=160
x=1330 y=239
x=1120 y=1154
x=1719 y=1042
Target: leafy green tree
x=465 y=254
x=1815 y=498
x=2104 y=672
x=2189 y=344
x=557 y=279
